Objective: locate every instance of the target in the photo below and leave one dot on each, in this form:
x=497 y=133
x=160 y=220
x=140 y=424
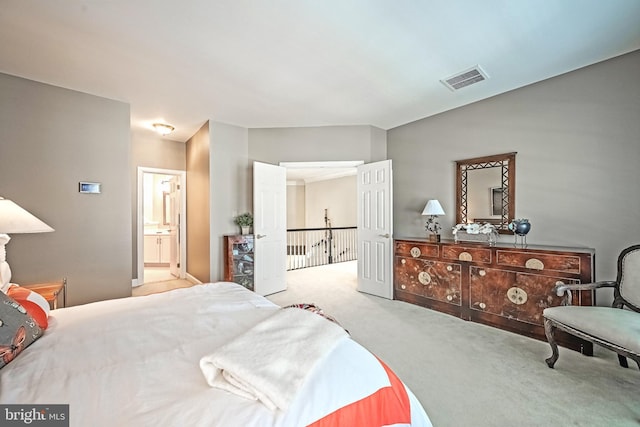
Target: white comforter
x=135 y=362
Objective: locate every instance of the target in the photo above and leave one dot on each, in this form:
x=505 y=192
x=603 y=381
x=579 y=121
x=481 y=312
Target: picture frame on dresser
x=499 y=285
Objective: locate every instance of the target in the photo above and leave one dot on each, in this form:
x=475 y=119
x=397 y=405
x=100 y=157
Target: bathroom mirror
x=486 y=190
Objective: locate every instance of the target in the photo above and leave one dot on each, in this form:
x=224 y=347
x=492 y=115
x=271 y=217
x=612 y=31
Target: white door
x=269 y=228
x=375 y=229
x=174 y=226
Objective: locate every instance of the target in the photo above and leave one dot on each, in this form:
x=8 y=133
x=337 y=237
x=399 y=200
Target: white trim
x=192 y=279
x=329 y=164
x=340 y=168
x=140 y=220
x=334 y=175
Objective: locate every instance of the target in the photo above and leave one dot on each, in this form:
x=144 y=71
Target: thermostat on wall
x=90 y=187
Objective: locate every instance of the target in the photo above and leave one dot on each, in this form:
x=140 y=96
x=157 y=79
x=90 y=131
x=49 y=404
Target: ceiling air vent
x=465 y=78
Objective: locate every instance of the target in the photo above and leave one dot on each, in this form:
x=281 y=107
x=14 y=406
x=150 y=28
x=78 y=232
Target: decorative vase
x=244 y=230
x=520 y=227
x=434 y=237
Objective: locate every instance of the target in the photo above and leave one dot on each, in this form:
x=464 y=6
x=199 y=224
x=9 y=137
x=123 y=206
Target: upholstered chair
x=616 y=328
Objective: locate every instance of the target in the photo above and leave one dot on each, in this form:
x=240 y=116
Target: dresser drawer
x=416 y=249
x=469 y=253
x=513 y=295
x=539 y=261
x=436 y=280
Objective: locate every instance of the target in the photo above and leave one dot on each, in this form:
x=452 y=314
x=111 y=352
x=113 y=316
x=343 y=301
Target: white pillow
x=5 y=271
x=5 y=276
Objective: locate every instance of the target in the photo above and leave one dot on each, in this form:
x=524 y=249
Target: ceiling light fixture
x=163 y=128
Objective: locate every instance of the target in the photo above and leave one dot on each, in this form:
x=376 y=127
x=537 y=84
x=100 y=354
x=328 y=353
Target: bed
x=142 y=361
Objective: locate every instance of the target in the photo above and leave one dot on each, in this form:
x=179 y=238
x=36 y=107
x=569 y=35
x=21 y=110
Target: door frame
x=140 y=220
x=349 y=164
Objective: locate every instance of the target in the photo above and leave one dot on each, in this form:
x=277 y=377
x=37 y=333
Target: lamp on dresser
x=433 y=209
x=14 y=219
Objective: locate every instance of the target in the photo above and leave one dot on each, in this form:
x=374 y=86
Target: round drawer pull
x=415 y=252
x=403 y=261
x=424 y=278
x=449 y=298
x=482 y=273
x=404 y=286
x=534 y=264
x=482 y=305
x=465 y=256
x=517 y=296
x=449 y=268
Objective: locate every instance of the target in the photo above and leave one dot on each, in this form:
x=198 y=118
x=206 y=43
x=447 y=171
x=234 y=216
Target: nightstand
x=50 y=291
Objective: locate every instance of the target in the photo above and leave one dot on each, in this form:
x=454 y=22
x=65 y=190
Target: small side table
x=50 y=291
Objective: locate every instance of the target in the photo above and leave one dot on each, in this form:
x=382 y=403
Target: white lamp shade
x=433 y=208
x=14 y=219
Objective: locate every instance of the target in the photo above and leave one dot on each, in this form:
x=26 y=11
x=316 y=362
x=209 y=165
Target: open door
x=375 y=229
x=174 y=226
x=269 y=228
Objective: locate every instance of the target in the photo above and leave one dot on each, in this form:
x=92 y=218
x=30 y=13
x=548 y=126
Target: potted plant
x=244 y=221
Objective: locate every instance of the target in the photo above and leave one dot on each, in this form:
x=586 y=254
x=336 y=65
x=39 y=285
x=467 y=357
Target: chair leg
x=623 y=361
x=636 y=359
x=548 y=331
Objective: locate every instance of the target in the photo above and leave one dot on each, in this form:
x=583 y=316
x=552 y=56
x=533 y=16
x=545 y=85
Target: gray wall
x=339 y=196
x=230 y=175
x=148 y=149
x=296 y=205
x=378 y=144
x=578 y=143
x=310 y=144
x=52 y=138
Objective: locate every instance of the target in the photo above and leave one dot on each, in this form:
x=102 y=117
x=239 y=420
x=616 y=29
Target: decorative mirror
x=486 y=190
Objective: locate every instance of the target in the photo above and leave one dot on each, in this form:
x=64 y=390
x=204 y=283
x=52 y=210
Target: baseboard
x=193 y=279
x=189 y=277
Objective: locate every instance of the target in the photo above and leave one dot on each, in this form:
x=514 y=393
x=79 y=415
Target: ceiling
x=291 y=63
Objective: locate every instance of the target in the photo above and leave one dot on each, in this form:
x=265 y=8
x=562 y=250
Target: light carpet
x=467 y=374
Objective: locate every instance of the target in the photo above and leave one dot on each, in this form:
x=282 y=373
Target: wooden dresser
x=503 y=286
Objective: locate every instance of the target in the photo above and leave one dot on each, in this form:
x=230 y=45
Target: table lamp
x=433 y=209
x=14 y=219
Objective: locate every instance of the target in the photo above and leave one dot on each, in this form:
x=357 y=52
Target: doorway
x=374 y=219
x=161 y=207
x=320 y=194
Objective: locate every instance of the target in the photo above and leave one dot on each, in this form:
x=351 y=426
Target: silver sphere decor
x=520 y=228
